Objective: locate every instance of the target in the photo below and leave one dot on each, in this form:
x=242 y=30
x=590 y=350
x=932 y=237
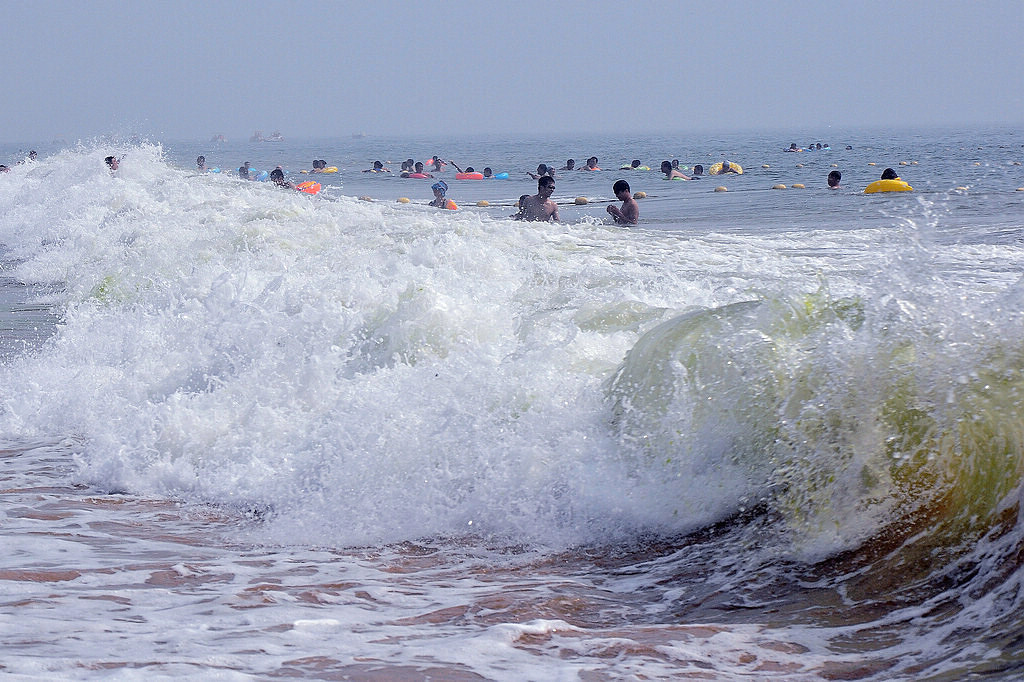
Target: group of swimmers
x=539 y=207
x=815 y=147
x=31 y=157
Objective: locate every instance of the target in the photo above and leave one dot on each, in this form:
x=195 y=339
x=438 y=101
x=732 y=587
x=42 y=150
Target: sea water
x=254 y=433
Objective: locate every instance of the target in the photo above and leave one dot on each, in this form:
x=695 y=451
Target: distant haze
x=191 y=70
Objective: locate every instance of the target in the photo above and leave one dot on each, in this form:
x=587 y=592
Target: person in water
x=890 y=174
x=591 y=164
x=438 y=164
x=629 y=214
x=243 y=171
x=570 y=164
x=201 y=163
x=539 y=207
x=521 y=205
x=417 y=169
x=727 y=168
x=671 y=173
x=543 y=171
x=112 y=163
x=277 y=177
x=833 y=179
x=440 y=189
x=378 y=167
x=698 y=170
x=469 y=169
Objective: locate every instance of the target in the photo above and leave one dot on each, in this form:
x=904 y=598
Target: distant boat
x=275 y=137
x=257 y=136
x=218 y=138
x=357 y=136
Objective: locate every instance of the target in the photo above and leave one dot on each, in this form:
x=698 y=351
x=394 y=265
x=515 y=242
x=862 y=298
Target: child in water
x=629 y=214
x=440 y=189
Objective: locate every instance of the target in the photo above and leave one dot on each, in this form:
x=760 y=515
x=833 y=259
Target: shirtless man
x=671 y=172
x=629 y=214
x=539 y=207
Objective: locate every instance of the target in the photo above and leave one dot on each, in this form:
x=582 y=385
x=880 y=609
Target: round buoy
x=1020 y=189
x=779 y=186
x=721 y=188
x=799 y=165
x=365 y=198
x=913 y=163
x=483 y=202
x=835 y=165
x=872 y=163
x=797 y=186
x=903 y=163
x=580 y=201
x=977 y=163
x=640 y=195
x=961 y=188
x=403 y=200
x=765 y=165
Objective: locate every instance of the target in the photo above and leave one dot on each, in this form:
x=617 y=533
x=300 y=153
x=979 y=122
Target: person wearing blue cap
x=440 y=189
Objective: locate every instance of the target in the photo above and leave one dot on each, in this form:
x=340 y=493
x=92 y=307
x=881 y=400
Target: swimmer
x=698 y=171
x=4 y=169
x=591 y=164
x=201 y=163
x=521 y=204
x=469 y=169
x=670 y=172
x=277 y=177
x=488 y=173
x=539 y=207
x=542 y=171
x=243 y=171
x=378 y=167
x=437 y=163
x=889 y=174
x=440 y=188
x=417 y=169
x=833 y=179
x=570 y=164
x=629 y=214
x=112 y=163
x=727 y=168
x=793 y=148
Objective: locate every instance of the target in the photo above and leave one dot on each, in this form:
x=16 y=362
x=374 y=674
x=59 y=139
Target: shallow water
x=252 y=433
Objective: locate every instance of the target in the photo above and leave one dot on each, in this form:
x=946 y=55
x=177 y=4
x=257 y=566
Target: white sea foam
x=360 y=371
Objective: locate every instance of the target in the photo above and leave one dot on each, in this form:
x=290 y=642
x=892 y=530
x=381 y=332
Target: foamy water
x=282 y=435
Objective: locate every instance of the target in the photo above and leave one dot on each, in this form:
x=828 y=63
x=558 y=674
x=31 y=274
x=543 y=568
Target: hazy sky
x=187 y=70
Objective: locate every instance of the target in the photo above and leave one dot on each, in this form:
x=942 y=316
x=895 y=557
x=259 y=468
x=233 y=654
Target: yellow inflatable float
x=728 y=166
x=896 y=185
